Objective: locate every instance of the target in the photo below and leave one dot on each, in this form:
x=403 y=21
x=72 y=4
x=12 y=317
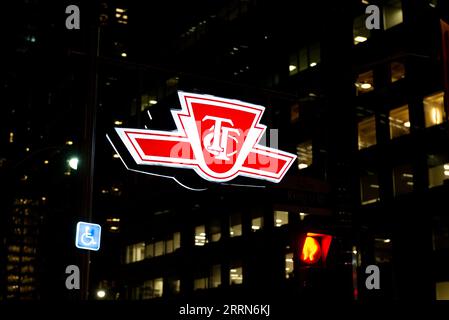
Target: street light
x=73 y=163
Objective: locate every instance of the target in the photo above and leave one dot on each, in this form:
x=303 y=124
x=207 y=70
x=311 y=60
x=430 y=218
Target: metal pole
x=89 y=152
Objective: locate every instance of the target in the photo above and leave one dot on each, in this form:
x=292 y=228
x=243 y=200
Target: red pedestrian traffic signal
x=311 y=251
x=314 y=248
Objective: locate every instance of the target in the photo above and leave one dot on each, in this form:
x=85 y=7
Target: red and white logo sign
x=218 y=138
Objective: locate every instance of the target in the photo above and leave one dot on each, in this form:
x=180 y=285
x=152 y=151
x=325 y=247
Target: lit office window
x=402 y=179
x=434 y=109
x=369 y=187
x=27 y=259
x=256 y=224
x=305 y=154
x=365 y=82
x=13 y=278
x=438 y=174
x=392 y=10
x=438 y=169
x=293 y=64
x=13 y=288
x=215 y=276
x=215 y=231
x=113 y=224
x=367 y=132
x=399 y=122
x=442 y=290
x=169 y=246
x=235 y=225
x=27 y=268
x=359 y=30
x=135 y=252
x=149 y=250
x=153 y=288
x=200 y=235
x=176 y=240
x=280 y=218
x=13 y=258
x=288 y=265
x=201 y=283
x=14 y=249
x=121 y=15
x=159 y=248
x=236 y=276
x=397 y=71
x=28 y=279
x=158 y=287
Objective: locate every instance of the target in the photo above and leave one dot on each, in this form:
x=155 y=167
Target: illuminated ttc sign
x=88 y=236
x=218 y=138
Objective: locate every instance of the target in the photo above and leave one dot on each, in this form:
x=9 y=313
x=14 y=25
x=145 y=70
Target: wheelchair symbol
x=87 y=237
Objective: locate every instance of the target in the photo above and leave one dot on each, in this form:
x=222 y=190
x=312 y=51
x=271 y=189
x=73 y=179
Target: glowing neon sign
x=218 y=138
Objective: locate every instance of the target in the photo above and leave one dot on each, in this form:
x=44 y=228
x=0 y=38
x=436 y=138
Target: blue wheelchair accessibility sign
x=88 y=236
